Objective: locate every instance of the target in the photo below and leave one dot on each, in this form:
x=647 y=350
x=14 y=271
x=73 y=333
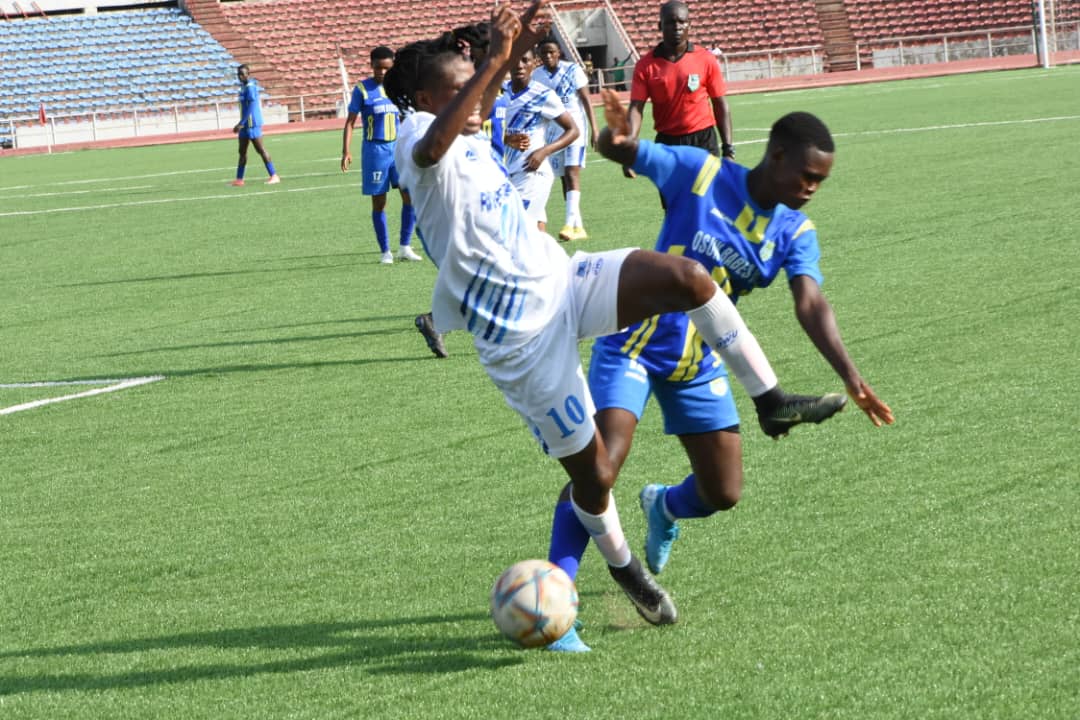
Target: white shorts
x=570 y=156
x=543 y=380
x=535 y=189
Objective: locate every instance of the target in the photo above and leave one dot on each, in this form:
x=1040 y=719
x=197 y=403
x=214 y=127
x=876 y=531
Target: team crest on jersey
x=767 y=250
x=589 y=267
x=693 y=82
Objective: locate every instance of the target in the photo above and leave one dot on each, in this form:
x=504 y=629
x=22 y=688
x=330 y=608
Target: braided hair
x=416 y=66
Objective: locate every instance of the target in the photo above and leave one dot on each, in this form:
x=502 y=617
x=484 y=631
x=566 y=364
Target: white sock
x=573 y=208
x=723 y=328
x=606 y=532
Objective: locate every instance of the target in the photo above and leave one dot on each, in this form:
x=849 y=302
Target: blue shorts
x=251 y=133
x=704 y=404
x=377 y=168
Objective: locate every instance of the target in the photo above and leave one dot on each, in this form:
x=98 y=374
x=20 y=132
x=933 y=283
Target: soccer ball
x=534 y=603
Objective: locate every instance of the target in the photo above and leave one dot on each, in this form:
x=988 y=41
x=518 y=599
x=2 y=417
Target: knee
x=726 y=499
x=591 y=489
x=721 y=493
x=693 y=282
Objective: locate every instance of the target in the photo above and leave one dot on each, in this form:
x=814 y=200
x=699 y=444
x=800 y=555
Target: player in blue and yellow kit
x=745 y=226
x=380 y=125
x=249 y=129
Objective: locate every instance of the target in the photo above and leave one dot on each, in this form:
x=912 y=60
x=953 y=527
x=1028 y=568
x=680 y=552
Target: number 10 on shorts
x=571 y=415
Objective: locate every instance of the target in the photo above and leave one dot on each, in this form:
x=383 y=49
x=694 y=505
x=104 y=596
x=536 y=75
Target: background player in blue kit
x=744 y=226
x=380 y=124
x=249 y=129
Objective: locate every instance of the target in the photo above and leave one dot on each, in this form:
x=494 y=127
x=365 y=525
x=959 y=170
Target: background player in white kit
x=570 y=83
x=538 y=128
x=526 y=303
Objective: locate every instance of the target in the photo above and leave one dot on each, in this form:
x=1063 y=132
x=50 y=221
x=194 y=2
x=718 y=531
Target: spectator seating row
x=876 y=20
x=732 y=25
x=128 y=58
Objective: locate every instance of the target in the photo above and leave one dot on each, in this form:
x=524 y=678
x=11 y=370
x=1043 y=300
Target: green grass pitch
x=304 y=518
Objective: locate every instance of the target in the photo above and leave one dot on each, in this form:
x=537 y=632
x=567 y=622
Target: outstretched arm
x=616 y=142
x=818 y=320
x=506 y=27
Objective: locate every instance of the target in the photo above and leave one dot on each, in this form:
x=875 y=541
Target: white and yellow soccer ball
x=534 y=602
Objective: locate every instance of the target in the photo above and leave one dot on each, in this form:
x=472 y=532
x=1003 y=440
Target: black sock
x=769 y=399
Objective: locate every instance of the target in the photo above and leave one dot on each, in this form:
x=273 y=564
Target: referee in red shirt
x=686 y=87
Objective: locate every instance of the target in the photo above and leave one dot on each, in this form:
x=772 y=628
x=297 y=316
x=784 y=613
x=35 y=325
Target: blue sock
x=270 y=168
x=569 y=539
x=683 y=501
x=408 y=222
x=382 y=235
x=240 y=171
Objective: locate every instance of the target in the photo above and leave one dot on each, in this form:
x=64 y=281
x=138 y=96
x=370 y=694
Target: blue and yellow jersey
x=495 y=125
x=250 y=107
x=712 y=219
x=377 y=113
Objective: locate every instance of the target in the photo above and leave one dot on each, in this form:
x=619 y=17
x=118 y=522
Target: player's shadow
x=209 y=274
x=405 y=646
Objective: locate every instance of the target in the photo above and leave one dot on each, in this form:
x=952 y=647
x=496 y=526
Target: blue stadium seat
x=75 y=63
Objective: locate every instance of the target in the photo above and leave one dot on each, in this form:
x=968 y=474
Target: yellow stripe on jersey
x=806 y=226
x=362 y=89
x=751 y=226
x=690 y=362
x=389 y=127
x=720 y=275
x=676 y=250
x=640 y=337
x=705 y=176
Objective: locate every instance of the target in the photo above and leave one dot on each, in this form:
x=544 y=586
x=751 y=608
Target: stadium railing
x=961 y=45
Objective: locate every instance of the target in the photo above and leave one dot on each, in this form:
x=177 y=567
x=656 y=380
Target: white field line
x=106 y=189
x=121 y=385
x=170 y=173
x=86 y=192
x=160 y=201
x=896 y=131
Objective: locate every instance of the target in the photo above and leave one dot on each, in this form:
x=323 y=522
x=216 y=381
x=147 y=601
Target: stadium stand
x=302 y=40
x=733 y=25
x=110 y=62
x=112 y=58
x=872 y=20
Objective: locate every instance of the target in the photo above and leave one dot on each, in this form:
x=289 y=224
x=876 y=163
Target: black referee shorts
x=702 y=138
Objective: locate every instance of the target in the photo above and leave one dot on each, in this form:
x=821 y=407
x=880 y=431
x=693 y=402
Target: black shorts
x=702 y=138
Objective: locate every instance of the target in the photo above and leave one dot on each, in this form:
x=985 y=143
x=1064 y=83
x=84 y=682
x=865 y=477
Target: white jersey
x=499 y=277
x=565 y=81
x=532 y=112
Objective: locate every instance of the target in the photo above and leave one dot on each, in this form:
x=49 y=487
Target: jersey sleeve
x=805 y=254
x=674 y=169
x=580 y=79
x=356 y=101
x=639 y=83
x=552 y=106
x=714 y=80
x=412 y=130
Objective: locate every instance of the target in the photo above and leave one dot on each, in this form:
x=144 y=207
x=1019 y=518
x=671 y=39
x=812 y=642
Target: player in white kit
x=568 y=81
x=538 y=128
x=525 y=302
